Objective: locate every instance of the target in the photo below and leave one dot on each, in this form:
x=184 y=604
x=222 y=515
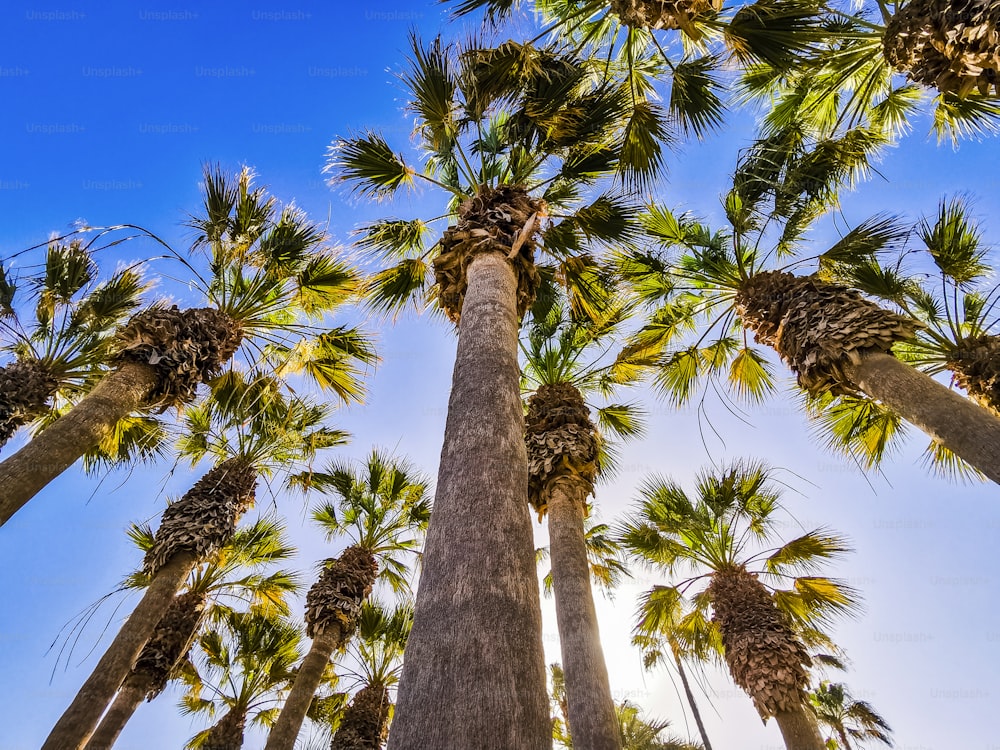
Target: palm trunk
x=129 y=698
x=77 y=723
x=227 y=733
x=799 y=729
x=26 y=390
x=843 y=738
x=967 y=430
x=474 y=669
x=593 y=724
x=363 y=724
x=286 y=729
x=690 y=699
x=73 y=434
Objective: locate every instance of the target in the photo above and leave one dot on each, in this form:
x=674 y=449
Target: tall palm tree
x=562 y=363
x=382 y=510
x=250 y=427
x=238 y=573
x=64 y=349
x=846 y=717
x=513 y=135
x=271 y=271
x=247 y=664
x=716 y=534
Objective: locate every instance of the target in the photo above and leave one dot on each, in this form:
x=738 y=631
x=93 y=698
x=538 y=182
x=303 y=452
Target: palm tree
x=513 y=134
x=269 y=269
x=382 y=510
x=247 y=665
x=607 y=570
x=837 y=710
x=250 y=428
x=63 y=351
x=714 y=535
x=239 y=572
x=564 y=452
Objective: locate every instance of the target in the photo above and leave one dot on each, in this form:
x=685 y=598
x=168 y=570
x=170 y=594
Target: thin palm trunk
x=78 y=722
x=593 y=724
x=474 y=669
x=966 y=429
x=690 y=699
x=843 y=738
x=227 y=733
x=129 y=698
x=73 y=434
x=799 y=729
x=286 y=729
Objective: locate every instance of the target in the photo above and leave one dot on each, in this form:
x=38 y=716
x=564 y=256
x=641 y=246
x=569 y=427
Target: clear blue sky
x=110 y=109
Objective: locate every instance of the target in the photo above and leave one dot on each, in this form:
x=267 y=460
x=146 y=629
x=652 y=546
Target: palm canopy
x=540 y=122
x=382 y=506
x=837 y=710
x=375 y=656
x=732 y=521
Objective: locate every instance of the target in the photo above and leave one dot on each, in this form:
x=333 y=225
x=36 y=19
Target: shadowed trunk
x=474 y=670
x=129 y=698
x=26 y=390
x=689 y=694
x=227 y=733
x=286 y=729
x=364 y=723
x=58 y=447
x=843 y=739
x=967 y=430
x=75 y=726
x=593 y=724
x=799 y=729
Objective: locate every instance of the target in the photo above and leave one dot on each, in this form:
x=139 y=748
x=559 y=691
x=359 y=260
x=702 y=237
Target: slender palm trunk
x=966 y=429
x=799 y=729
x=73 y=434
x=77 y=723
x=843 y=738
x=286 y=729
x=474 y=669
x=227 y=733
x=690 y=699
x=593 y=724
x=129 y=698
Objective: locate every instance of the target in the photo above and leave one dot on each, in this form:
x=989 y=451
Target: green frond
x=694 y=96
x=948 y=465
x=874 y=235
x=816 y=601
x=432 y=85
x=776 y=33
x=134 y=439
x=324 y=284
x=971 y=117
x=858 y=427
x=640 y=160
x=287 y=243
x=369 y=164
x=750 y=375
x=953 y=241
x=391 y=290
x=624 y=420
x=393 y=238
x=806 y=553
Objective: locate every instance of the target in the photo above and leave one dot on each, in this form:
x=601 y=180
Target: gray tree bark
x=286 y=729
x=593 y=724
x=60 y=444
x=129 y=698
x=474 y=670
x=958 y=423
x=690 y=698
x=799 y=730
x=78 y=722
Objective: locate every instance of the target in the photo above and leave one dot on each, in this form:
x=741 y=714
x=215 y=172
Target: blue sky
x=109 y=112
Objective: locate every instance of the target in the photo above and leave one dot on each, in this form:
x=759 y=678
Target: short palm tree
x=716 y=535
x=563 y=362
x=847 y=718
x=382 y=510
x=514 y=135
x=238 y=576
x=250 y=428
x=247 y=663
x=271 y=271
x=64 y=349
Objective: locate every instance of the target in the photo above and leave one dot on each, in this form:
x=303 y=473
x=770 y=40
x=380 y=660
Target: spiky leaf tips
x=764 y=656
x=26 y=386
x=187 y=347
x=336 y=598
x=205 y=518
x=953 y=46
x=817 y=327
x=561 y=441
x=365 y=722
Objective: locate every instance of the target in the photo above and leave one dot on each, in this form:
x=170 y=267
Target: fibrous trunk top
x=561 y=440
x=975 y=365
x=26 y=388
x=662 y=14
x=953 y=45
x=342 y=588
x=502 y=220
x=818 y=327
x=186 y=347
x=227 y=734
x=365 y=723
x=763 y=654
x=205 y=518
x=170 y=643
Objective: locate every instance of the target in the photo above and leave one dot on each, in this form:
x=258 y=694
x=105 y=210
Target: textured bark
x=286 y=729
x=663 y=14
x=365 y=720
x=692 y=703
x=975 y=366
x=799 y=729
x=73 y=434
x=593 y=723
x=26 y=389
x=227 y=733
x=474 y=670
x=77 y=723
x=129 y=698
x=959 y=424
